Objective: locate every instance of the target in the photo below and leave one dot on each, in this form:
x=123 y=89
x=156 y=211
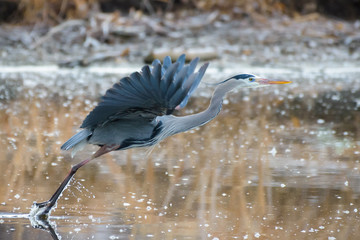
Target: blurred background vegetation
x=55 y=11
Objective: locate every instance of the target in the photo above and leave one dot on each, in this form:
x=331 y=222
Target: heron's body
x=125 y=131
x=137 y=111
x=129 y=133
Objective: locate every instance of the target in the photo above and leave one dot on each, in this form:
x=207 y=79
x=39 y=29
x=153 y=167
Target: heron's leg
x=52 y=201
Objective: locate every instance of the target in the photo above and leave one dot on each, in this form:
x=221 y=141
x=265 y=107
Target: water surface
x=277 y=163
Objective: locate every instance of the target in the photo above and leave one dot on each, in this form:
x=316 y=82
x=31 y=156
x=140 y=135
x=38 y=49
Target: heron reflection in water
x=137 y=112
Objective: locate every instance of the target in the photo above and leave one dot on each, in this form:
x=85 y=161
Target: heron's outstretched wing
x=154 y=91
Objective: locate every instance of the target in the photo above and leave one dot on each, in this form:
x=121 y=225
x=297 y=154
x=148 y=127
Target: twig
x=85 y=61
x=55 y=30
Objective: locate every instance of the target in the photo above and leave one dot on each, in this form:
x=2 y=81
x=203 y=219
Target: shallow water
x=277 y=163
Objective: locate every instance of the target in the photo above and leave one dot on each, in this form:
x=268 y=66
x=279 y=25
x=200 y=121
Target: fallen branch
x=97 y=57
x=56 y=29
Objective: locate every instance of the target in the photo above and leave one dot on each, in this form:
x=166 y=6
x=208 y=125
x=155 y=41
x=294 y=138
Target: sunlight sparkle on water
x=273 y=151
x=276 y=160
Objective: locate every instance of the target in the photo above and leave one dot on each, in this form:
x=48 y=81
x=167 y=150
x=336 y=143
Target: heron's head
x=246 y=81
x=253 y=81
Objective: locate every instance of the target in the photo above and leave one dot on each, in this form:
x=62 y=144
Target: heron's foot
x=40 y=210
x=39 y=219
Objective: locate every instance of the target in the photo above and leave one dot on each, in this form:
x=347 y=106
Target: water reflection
x=45 y=225
x=277 y=163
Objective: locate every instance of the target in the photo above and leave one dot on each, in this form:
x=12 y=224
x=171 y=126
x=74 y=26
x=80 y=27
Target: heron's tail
x=77 y=141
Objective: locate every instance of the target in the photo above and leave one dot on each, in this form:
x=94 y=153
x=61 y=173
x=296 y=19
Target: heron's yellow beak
x=271 y=81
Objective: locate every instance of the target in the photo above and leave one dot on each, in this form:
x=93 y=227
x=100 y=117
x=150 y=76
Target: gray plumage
x=136 y=111
x=80 y=136
x=127 y=113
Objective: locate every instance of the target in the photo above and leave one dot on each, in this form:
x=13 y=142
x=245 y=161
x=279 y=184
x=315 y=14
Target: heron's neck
x=185 y=123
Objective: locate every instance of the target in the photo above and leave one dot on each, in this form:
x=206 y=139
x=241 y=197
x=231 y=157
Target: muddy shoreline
x=256 y=41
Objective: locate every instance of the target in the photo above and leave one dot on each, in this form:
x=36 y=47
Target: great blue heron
x=136 y=111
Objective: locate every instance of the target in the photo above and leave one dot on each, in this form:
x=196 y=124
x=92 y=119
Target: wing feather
x=181 y=61
x=167 y=63
x=168 y=78
x=155 y=91
x=177 y=82
x=194 y=85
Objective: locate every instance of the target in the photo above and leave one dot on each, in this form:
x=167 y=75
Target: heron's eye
x=251 y=79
